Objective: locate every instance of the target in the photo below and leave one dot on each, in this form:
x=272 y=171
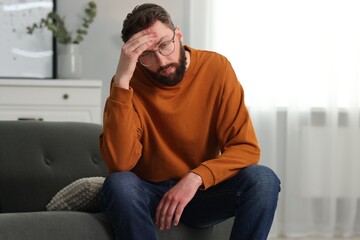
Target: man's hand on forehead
x=151 y=33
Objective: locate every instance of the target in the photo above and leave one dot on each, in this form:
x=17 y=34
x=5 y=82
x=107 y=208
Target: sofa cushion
x=80 y=195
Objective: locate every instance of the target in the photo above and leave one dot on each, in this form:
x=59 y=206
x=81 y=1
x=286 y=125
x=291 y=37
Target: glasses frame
x=158 y=50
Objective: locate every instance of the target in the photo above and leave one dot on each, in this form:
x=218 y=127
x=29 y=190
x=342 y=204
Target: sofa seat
x=57 y=225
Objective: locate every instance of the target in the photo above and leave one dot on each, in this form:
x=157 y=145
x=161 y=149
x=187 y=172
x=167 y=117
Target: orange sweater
x=163 y=132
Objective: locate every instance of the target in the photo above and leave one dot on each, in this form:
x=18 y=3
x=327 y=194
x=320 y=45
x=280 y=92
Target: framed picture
x=23 y=55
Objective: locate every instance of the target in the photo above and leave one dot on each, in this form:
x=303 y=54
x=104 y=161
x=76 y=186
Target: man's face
x=169 y=69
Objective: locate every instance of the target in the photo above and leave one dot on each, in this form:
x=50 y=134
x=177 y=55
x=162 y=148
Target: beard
x=173 y=78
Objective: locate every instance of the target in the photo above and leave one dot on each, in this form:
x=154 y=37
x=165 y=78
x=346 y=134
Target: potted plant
x=56 y=25
x=69 y=60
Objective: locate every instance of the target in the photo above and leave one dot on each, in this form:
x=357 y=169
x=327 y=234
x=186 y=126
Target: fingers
x=178 y=212
x=172 y=204
x=139 y=42
x=168 y=213
x=163 y=214
x=167 y=217
x=130 y=53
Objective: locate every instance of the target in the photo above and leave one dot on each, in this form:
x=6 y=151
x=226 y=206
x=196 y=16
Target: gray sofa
x=37 y=159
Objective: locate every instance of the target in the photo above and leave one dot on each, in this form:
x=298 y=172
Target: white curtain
x=299 y=63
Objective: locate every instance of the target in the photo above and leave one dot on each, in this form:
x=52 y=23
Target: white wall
x=101 y=48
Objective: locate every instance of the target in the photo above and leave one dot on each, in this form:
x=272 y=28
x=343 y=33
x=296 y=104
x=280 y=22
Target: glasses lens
x=167 y=48
x=147 y=58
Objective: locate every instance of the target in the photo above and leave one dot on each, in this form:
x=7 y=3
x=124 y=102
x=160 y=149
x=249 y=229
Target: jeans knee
x=267 y=178
x=264 y=181
x=121 y=178
x=119 y=185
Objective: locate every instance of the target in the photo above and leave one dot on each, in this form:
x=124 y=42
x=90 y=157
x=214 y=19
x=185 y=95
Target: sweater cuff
x=206 y=175
x=121 y=95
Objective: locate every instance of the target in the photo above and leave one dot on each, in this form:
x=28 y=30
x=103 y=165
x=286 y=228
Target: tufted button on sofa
x=37 y=160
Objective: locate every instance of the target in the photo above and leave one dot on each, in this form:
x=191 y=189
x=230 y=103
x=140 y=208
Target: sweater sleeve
x=235 y=133
x=120 y=140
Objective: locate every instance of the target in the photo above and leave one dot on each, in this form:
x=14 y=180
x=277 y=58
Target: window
x=285 y=50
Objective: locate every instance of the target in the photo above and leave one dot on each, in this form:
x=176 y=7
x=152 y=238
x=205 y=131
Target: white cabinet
x=50 y=100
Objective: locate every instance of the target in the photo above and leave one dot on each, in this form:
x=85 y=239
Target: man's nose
x=160 y=59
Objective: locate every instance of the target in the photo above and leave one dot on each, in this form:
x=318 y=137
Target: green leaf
x=54 y=23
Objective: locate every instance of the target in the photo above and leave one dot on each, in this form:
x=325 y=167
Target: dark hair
x=142 y=17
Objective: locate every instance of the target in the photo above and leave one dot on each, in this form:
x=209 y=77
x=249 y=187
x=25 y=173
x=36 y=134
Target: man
x=178 y=139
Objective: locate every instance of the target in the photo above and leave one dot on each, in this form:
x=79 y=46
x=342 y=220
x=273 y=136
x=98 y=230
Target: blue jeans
x=251 y=196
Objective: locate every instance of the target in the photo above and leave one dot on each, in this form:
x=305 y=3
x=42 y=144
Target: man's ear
x=179 y=34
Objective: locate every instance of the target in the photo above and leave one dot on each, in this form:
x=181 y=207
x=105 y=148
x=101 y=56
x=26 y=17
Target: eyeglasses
x=148 y=58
